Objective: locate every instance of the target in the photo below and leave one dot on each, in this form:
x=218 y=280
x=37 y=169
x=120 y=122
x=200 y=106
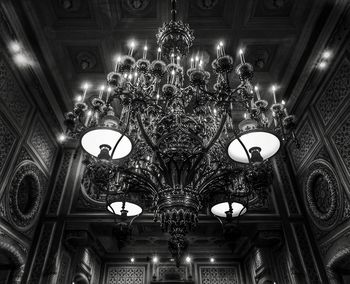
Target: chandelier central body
x=169 y=135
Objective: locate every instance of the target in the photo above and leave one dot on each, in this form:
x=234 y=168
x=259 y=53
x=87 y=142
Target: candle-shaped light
x=241 y=55
x=109 y=90
x=178 y=60
x=102 y=88
x=196 y=62
x=119 y=59
x=145 y=52
x=85 y=87
x=132 y=46
x=215 y=111
x=159 y=53
x=274 y=93
x=284 y=107
x=172 y=76
x=218 y=51
x=79 y=98
x=256 y=89
x=172 y=58
x=222 y=48
x=200 y=64
x=88 y=114
x=192 y=62
x=135 y=77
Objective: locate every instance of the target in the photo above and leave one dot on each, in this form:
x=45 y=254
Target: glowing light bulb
x=102 y=87
x=212 y=260
x=322 y=65
x=15 y=47
x=89 y=113
x=221 y=43
x=20 y=59
x=159 y=49
x=155 y=259
x=145 y=48
x=132 y=44
x=132 y=260
x=62 y=138
x=241 y=51
x=256 y=88
x=283 y=102
x=326 y=54
x=79 y=98
x=86 y=86
x=188 y=259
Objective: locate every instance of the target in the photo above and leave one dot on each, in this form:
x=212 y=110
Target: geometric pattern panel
x=341 y=139
x=218 y=275
x=42 y=144
x=126 y=275
x=7 y=140
x=172 y=273
x=307 y=140
x=337 y=91
x=11 y=95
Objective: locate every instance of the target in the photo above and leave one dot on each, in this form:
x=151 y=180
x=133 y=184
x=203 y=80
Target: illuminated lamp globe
x=98 y=139
x=130 y=209
x=260 y=143
x=223 y=209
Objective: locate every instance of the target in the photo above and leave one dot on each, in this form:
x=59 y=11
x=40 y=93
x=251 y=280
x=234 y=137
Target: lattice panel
x=11 y=95
x=341 y=139
x=307 y=139
x=337 y=91
x=7 y=140
x=42 y=144
x=164 y=271
x=126 y=275
x=218 y=275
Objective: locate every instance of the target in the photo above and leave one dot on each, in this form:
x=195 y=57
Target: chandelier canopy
x=168 y=133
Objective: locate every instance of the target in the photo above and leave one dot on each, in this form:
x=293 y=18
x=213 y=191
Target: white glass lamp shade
x=220 y=209
x=132 y=208
x=266 y=141
x=94 y=138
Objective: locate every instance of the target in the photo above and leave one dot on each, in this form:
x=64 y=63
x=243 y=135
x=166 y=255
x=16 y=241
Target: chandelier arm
x=244 y=147
x=123 y=134
x=207 y=148
x=209 y=182
x=217 y=134
x=141 y=181
x=151 y=144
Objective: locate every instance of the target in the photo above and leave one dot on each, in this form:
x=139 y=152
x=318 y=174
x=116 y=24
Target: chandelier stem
x=173 y=10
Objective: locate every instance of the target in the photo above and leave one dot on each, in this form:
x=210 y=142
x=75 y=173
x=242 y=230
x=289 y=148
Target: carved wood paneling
x=335 y=94
x=126 y=275
x=11 y=96
x=218 y=275
x=43 y=144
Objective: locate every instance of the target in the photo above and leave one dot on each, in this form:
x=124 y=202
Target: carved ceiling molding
x=323 y=194
x=25 y=195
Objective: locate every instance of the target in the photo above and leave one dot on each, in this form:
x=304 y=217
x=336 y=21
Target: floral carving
x=322 y=194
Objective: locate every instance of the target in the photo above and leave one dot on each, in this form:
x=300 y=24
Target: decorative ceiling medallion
x=322 y=194
x=135 y=5
x=86 y=60
x=70 y=5
x=275 y=4
x=25 y=195
x=207 y=4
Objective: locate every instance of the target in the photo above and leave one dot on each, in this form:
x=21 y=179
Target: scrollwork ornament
x=323 y=196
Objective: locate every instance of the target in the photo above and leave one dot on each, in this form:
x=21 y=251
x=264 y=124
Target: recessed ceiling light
x=326 y=54
x=322 y=65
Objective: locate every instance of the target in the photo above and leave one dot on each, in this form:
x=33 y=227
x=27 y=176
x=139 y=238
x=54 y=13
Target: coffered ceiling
x=79 y=39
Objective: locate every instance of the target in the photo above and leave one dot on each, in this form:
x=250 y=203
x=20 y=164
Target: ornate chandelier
x=169 y=134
